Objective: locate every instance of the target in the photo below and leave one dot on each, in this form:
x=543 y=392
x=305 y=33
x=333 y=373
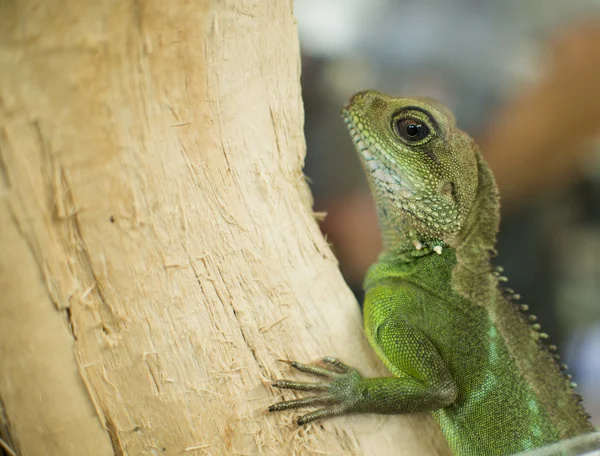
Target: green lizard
x=455 y=341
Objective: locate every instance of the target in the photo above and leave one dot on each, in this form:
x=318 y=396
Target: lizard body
x=455 y=341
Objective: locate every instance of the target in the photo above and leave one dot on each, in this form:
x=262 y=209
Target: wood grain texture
x=158 y=248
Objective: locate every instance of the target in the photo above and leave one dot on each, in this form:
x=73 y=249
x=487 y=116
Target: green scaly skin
x=454 y=340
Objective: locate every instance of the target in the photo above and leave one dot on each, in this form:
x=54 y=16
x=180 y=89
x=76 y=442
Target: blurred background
x=523 y=78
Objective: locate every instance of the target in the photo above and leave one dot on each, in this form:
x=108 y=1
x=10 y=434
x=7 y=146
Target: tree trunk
x=158 y=249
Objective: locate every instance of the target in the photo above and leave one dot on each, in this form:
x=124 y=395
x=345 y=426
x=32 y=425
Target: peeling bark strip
x=157 y=247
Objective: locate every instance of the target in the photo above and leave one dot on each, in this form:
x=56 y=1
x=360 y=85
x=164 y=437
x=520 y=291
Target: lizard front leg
x=421 y=379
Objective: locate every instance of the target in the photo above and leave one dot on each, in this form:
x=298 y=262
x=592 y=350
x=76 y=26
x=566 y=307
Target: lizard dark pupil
x=411 y=130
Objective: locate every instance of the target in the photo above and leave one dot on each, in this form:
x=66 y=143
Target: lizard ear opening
x=447 y=190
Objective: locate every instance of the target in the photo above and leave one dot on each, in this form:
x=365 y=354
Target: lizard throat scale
x=457 y=343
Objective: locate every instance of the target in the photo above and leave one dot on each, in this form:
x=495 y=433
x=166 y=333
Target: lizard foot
x=341 y=391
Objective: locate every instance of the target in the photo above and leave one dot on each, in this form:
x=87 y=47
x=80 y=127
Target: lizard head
x=421 y=168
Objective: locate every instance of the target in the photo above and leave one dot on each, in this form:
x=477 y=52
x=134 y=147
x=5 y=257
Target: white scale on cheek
x=373 y=165
x=384 y=176
x=366 y=154
x=395 y=188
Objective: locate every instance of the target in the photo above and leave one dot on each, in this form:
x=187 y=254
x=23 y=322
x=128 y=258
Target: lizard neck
x=475 y=243
x=396 y=232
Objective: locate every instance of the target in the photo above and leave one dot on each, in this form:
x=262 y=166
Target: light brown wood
x=158 y=252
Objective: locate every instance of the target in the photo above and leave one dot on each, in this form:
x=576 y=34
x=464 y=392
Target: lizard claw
x=335 y=367
x=338 y=390
x=301 y=386
x=336 y=364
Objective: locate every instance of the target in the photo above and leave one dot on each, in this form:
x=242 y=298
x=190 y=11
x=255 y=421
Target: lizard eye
x=412 y=130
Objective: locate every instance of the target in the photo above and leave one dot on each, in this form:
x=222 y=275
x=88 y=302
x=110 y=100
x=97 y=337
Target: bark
x=158 y=252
